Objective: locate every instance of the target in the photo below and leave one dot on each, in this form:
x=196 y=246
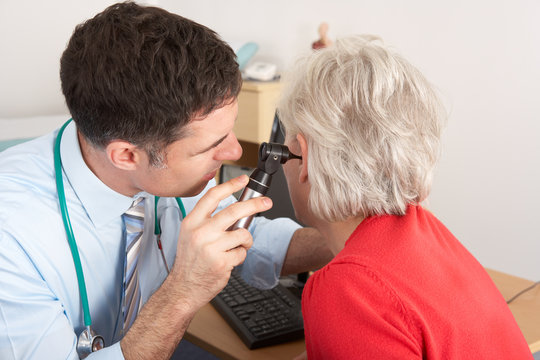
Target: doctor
x=102 y=247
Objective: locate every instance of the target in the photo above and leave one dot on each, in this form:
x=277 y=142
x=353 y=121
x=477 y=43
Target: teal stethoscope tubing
x=157 y=228
x=67 y=225
x=69 y=229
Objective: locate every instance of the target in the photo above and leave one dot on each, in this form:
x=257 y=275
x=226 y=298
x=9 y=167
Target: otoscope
x=271 y=155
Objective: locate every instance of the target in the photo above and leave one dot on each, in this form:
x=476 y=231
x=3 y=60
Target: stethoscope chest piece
x=89 y=342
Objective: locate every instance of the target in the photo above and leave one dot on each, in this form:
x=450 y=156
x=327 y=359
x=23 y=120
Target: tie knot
x=136 y=209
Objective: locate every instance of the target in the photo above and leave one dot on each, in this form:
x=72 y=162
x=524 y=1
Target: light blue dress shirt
x=40 y=308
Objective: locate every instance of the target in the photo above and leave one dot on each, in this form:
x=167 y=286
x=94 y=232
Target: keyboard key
x=250 y=323
x=255 y=298
x=240 y=299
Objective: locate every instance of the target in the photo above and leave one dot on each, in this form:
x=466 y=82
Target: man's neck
x=98 y=163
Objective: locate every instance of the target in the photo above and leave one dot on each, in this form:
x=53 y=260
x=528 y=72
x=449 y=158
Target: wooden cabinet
x=256 y=109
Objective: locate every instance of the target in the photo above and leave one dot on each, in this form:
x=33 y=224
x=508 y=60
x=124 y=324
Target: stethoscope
x=88 y=341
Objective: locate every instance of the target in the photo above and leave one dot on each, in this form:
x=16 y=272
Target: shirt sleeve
x=350 y=313
x=265 y=258
x=33 y=323
x=113 y=352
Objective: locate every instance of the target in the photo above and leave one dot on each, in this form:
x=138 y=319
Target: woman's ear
x=303 y=163
x=123 y=155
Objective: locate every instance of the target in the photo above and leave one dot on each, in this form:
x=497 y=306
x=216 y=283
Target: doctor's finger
x=233 y=239
x=236 y=256
x=228 y=216
x=210 y=201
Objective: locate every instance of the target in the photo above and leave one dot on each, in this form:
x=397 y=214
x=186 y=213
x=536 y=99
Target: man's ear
x=303 y=163
x=123 y=155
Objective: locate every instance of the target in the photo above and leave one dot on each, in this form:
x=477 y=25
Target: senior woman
x=367 y=125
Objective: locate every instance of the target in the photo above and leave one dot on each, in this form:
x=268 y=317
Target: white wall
x=484 y=56
x=33 y=35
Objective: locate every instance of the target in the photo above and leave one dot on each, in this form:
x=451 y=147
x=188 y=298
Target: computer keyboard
x=260 y=317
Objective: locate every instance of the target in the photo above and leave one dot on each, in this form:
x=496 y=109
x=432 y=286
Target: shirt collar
x=101 y=203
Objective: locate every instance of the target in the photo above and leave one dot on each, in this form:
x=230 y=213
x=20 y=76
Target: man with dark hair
x=87 y=243
x=140 y=74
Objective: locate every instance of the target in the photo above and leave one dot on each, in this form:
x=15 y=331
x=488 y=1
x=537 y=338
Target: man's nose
x=230 y=149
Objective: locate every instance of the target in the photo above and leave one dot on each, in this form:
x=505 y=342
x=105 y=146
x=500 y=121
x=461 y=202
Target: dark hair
x=140 y=74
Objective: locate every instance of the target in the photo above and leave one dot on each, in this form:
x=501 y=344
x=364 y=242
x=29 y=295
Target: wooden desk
x=526 y=308
x=209 y=331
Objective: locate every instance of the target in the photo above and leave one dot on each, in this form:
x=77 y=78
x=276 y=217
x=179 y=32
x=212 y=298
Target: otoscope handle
x=254 y=189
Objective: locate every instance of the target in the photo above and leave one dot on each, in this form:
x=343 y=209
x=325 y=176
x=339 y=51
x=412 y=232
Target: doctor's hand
x=207 y=252
x=205 y=256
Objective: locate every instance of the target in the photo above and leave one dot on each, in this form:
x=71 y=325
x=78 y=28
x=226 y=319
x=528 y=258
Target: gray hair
x=372 y=124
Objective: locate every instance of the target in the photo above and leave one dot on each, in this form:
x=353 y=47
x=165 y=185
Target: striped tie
x=134 y=221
